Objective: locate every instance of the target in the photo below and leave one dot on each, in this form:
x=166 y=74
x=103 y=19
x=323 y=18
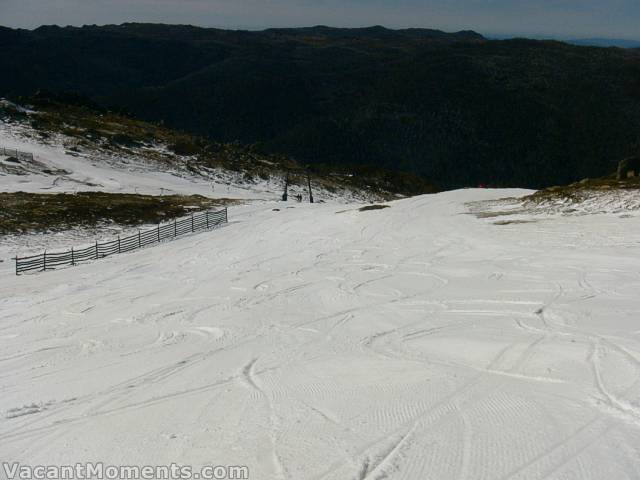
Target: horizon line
x=262 y=28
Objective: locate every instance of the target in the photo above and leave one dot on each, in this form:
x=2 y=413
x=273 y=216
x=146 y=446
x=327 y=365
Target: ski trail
x=248 y=374
x=616 y=405
x=408 y=343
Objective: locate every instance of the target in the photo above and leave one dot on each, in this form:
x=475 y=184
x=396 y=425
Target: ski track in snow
x=415 y=342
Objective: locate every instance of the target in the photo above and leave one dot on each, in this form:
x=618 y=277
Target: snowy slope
x=56 y=169
x=414 y=342
x=84 y=172
x=616 y=201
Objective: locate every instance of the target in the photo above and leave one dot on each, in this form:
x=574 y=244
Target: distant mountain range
x=456 y=108
x=585 y=42
x=606 y=42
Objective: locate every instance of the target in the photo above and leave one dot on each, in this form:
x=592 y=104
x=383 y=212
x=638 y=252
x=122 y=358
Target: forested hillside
x=455 y=108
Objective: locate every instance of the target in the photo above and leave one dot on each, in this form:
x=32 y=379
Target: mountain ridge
x=458 y=109
x=606 y=42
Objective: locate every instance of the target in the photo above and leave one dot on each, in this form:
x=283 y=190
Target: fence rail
x=13 y=152
x=50 y=261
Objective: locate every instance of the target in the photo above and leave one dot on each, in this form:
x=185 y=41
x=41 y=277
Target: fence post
x=17 y=265
x=226 y=218
x=118 y=243
x=44 y=261
x=192 y=221
x=96 y=249
x=72 y=259
x=139 y=243
x=158 y=232
x=206 y=215
x=175 y=228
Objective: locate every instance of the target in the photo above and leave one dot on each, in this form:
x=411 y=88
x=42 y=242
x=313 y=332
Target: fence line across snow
x=49 y=261
x=14 y=152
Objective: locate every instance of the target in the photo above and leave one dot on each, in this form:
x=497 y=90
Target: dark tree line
x=454 y=108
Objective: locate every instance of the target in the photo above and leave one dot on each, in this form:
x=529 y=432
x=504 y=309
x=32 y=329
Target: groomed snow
x=320 y=342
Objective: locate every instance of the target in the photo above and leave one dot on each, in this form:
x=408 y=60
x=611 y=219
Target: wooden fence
x=13 y=152
x=50 y=261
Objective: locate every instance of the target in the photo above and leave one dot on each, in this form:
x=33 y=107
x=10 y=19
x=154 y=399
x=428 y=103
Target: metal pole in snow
x=285 y=195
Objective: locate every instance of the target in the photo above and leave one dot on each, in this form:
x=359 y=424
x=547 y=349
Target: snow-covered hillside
x=323 y=342
x=61 y=165
x=57 y=169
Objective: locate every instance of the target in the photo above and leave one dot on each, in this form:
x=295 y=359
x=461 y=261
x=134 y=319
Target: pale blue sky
x=558 y=18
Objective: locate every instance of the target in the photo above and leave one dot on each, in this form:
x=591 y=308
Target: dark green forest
x=456 y=109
